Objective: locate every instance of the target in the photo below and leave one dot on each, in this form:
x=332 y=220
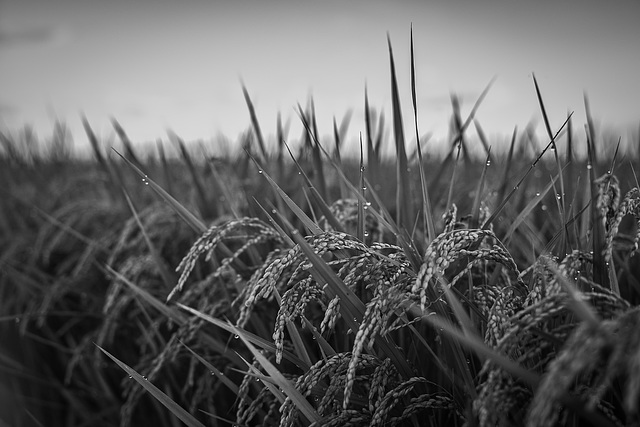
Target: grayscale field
x=371 y=269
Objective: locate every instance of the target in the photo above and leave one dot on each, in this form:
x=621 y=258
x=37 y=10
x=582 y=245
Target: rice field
x=293 y=285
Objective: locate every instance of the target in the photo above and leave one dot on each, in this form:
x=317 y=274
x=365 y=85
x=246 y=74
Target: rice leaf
x=325 y=347
x=168 y=179
x=427 y=212
x=275 y=225
x=360 y=227
x=312 y=137
x=171 y=405
x=284 y=384
x=255 y=339
x=515 y=223
x=516 y=187
x=483 y=139
x=600 y=270
x=189 y=218
x=578 y=305
x=308 y=223
x=195 y=175
x=167 y=275
x=562 y=204
x=126 y=142
x=404 y=216
x=477 y=200
x=324 y=208
x=219 y=375
x=479 y=347
x=254 y=122
x=351 y=308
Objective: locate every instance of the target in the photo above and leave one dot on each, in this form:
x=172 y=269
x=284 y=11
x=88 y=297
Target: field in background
x=139 y=289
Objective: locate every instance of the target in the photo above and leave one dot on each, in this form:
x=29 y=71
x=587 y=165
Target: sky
x=159 y=66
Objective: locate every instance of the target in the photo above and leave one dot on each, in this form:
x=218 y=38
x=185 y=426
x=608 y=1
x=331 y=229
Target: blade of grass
x=351 y=308
x=600 y=270
x=126 y=142
x=254 y=122
x=193 y=172
x=171 y=405
x=562 y=204
x=453 y=176
x=167 y=275
x=373 y=163
x=214 y=371
x=515 y=223
x=404 y=216
x=189 y=218
x=483 y=139
x=325 y=347
x=311 y=226
x=168 y=179
x=312 y=135
x=479 y=347
x=577 y=304
x=477 y=200
x=275 y=225
x=284 y=384
x=427 y=212
x=255 y=339
x=360 y=232
x=324 y=208
x=222 y=184
x=516 y=187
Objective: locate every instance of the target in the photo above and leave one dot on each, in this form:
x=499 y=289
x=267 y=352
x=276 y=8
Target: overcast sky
x=158 y=65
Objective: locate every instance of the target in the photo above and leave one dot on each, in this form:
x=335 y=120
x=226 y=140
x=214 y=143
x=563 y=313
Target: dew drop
x=236 y=336
x=260 y=171
x=488 y=162
x=537 y=194
x=544 y=207
x=589 y=166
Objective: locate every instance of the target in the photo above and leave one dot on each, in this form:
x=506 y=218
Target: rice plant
x=321 y=290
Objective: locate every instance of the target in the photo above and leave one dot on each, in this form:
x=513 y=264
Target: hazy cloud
x=33 y=36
